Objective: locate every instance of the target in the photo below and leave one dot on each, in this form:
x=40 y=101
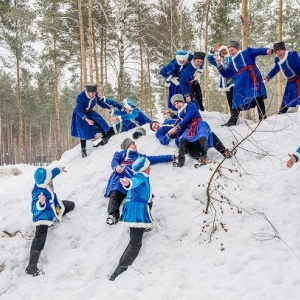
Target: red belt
x=87 y=111
x=296 y=79
x=252 y=74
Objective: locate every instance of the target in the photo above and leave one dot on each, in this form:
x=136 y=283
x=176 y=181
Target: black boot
x=119 y=270
x=32 y=268
x=83 y=152
x=181 y=158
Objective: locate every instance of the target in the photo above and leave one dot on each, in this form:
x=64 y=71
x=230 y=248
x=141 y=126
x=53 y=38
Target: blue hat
x=141 y=164
x=129 y=104
x=181 y=55
x=42 y=177
x=176 y=97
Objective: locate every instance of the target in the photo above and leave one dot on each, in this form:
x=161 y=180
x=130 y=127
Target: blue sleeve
x=113 y=103
x=258 y=51
x=55 y=172
x=191 y=111
x=117 y=158
x=168 y=69
x=125 y=116
x=183 y=81
x=160 y=159
x=297 y=154
x=228 y=72
x=163 y=137
x=211 y=59
x=80 y=107
x=274 y=70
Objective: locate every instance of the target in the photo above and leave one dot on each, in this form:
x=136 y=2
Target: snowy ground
x=244 y=259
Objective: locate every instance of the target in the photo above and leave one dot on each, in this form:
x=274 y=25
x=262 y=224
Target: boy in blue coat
x=86 y=122
x=249 y=90
x=45 y=208
x=288 y=62
x=136 y=213
x=171 y=72
x=122 y=167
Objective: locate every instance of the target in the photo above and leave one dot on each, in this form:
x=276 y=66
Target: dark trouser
x=229 y=95
x=199 y=148
x=261 y=109
x=133 y=248
x=39 y=241
x=196 y=91
x=41 y=231
x=195 y=149
x=115 y=201
x=260 y=105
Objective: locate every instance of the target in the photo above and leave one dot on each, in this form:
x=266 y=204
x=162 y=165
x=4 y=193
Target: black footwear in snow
x=119 y=270
x=111 y=220
x=34 y=271
x=102 y=142
x=177 y=164
x=228 y=124
x=229 y=153
x=83 y=152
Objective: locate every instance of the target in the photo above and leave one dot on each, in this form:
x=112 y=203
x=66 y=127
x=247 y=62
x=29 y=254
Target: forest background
x=49 y=49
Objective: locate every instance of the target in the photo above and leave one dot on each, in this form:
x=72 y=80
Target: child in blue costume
x=45 y=208
x=136 y=213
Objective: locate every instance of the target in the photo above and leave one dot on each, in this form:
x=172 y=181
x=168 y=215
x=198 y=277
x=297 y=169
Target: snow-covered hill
x=243 y=260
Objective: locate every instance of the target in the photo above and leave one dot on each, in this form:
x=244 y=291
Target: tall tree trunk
x=21 y=157
x=280 y=77
x=90 y=13
x=56 y=105
x=245 y=35
x=149 y=85
x=82 y=46
x=206 y=89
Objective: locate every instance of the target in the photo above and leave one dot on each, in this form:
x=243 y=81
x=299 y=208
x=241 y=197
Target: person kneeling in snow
x=293 y=158
x=136 y=213
x=45 y=208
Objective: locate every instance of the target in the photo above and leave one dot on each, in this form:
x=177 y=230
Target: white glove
x=197 y=76
x=175 y=80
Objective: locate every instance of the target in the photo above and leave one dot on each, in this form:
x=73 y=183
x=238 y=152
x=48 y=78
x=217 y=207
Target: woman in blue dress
x=136 y=213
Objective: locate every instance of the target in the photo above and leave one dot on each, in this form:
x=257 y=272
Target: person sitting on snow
x=122 y=167
x=45 y=208
x=192 y=148
x=190 y=129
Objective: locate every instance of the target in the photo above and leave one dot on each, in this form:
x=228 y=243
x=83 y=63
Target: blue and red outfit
x=289 y=65
x=249 y=89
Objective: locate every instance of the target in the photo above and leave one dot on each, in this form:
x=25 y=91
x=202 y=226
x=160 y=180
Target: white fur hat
x=223 y=48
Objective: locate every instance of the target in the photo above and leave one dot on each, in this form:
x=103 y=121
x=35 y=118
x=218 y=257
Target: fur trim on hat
x=222 y=48
x=177 y=97
x=42 y=177
x=128 y=104
x=91 y=87
x=181 y=55
x=141 y=164
x=234 y=44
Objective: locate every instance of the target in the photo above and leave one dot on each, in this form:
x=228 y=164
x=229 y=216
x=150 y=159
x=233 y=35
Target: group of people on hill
x=239 y=78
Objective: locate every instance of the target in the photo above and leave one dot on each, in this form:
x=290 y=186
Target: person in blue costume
x=122 y=167
x=249 y=90
x=293 y=158
x=190 y=128
x=171 y=72
x=288 y=62
x=136 y=213
x=86 y=122
x=226 y=84
x=128 y=115
x=46 y=207
x=162 y=133
x=190 y=74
